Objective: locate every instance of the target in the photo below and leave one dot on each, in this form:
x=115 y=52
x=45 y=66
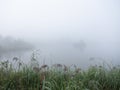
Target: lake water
x=69 y=53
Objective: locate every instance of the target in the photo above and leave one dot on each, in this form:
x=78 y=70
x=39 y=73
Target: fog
x=12 y=47
x=80 y=32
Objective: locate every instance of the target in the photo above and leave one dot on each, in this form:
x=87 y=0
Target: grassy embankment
x=19 y=76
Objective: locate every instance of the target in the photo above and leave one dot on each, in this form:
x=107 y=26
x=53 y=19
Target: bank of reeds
x=19 y=76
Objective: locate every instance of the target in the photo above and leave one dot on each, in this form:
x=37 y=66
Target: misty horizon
x=64 y=31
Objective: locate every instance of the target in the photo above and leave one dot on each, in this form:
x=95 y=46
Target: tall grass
x=56 y=77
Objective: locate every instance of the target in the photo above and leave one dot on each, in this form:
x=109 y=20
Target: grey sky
x=50 y=19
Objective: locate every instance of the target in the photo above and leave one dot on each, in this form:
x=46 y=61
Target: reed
x=49 y=78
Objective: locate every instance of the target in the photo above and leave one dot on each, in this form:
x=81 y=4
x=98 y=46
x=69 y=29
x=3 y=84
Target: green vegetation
x=56 y=77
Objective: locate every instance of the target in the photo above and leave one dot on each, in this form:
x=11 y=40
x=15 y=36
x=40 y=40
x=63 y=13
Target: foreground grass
x=57 y=77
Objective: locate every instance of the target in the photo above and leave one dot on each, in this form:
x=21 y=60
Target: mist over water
x=81 y=32
x=91 y=53
x=11 y=47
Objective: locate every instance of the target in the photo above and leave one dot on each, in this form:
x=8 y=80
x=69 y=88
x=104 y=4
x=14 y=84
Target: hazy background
x=78 y=32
